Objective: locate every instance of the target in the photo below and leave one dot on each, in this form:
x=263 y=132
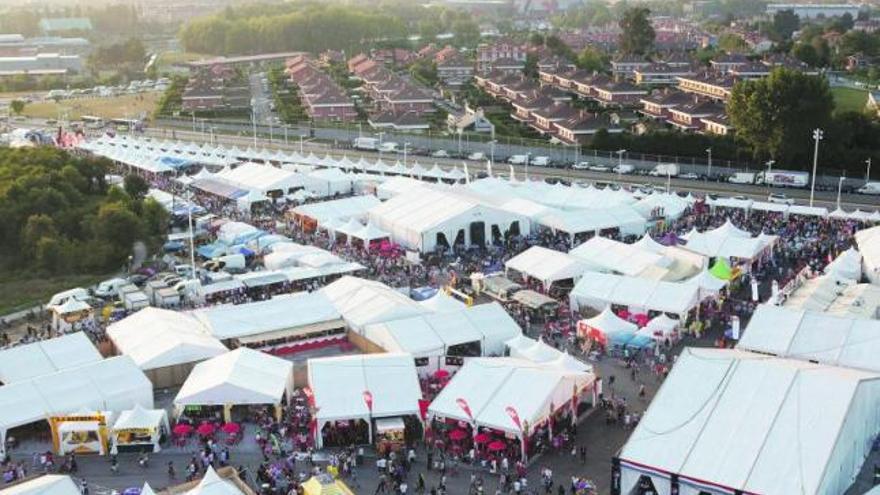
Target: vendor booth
x=80 y=433
x=71 y=315
x=607 y=329
x=324 y=484
x=139 y=430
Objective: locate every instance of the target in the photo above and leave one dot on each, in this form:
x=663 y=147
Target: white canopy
x=848 y=264
x=282 y=312
x=647 y=243
x=441 y=302
x=813 y=336
x=213 y=484
x=339 y=384
x=47 y=484
x=868 y=241
x=327 y=182
x=622 y=217
x=668 y=206
x=46 y=356
x=607 y=255
x=242 y=376
x=141 y=418
x=537 y=351
x=547 y=265
x=156 y=338
x=362 y=302
x=709 y=284
x=608 y=322
x=261 y=179
x=340 y=209
x=489 y=386
x=735 y=420
x=434 y=334
x=369 y=232
x=598 y=290
x=728 y=241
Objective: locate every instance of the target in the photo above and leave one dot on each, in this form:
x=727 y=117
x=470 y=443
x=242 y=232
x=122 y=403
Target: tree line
x=60 y=215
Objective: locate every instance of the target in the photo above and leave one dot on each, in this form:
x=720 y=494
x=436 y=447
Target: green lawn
x=21 y=291
x=849 y=100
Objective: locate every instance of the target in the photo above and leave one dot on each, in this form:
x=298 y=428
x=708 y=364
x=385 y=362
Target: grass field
x=131 y=106
x=849 y=99
x=27 y=291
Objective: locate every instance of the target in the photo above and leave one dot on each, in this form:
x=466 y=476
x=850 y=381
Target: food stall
x=81 y=433
x=139 y=430
x=71 y=315
x=390 y=435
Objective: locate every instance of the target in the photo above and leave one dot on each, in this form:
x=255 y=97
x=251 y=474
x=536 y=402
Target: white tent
x=362 y=302
x=608 y=323
x=667 y=206
x=158 y=338
x=327 y=182
x=709 y=284
x=213 y=484
x=728 y=241
x=813 y=336
x=622 y=217
x=547 y=265
x=243 y=376
x=607 y=255
x=489 y=386
x=47 y=484
x=661 y=326
x=419 y=219
x=432 y=335
x=868 y=241
x=339 y=385
x=537 y=351
x=598 y=290
x=112 y=384
x=154 y=421
x=46 y=356
x=270 y=319
x=848 y=264
x=441 y=302
x=261 y=179
x=728 y=420
x=647 y=243
x=369 y=233
x=339 y=209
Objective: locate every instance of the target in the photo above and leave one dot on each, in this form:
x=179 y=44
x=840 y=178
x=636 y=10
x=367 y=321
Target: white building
x=814 y=10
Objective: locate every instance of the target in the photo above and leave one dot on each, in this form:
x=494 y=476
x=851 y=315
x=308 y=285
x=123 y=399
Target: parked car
x=540 y=161
x=598 y=168
x=689 y=175
x=477 y=156
x=440 y=154
x=581 y=166
x=623 y=169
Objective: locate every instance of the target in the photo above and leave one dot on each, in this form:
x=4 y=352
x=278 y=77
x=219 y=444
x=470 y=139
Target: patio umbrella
x=496 y=446
x=441 y=374
x=205 y=429
x=182 y=429
x=231 y=428
x=457 y=435
x=482 y=438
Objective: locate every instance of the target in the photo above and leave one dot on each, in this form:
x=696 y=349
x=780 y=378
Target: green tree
x=592 y=59
x=807 y=54
x=637 y=33
x=119 y=227
x=50 y=255
x=785 y=23
x=135 y=186
x=467 y=32
x=775 y=116
x=732 y=43
x=17 y=106
x=37 y=227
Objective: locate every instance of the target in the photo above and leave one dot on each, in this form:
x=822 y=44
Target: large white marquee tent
x=607 y=255
x=340 y=383
x=46 y=356
x=362 y=302
x=598 y=290
x=547 y=265
x=728 y=420
x=868 y=241
x=728 y=241
x=47 y=484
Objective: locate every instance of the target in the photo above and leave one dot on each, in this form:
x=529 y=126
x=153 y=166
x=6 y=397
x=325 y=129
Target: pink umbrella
x=496 y=446
x=182 y=429
x=205 y=429
x=441 y=374
x=231 y=428
x=457 y=435
x=482 y=438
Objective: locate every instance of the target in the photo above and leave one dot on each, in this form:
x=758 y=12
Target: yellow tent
x=325 y=485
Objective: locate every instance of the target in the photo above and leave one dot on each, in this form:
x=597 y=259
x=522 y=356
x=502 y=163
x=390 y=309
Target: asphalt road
x=261 y=99
x=827 y=199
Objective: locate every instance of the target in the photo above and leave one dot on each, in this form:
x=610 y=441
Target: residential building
x=858 y=61
x=214 y=89
x=626 y=65
x=689 y=116
x=487 y=54
x=471 y=119
x=657 y=105
x=617 y=94
x=544 y=118
x=508 y=66
x=578 y=129
x=259 y=60
x=52 y=26
x=718 y=125
x=408 y=121
x=711 y=86
x=724 y=63
x=321 y=96
x=751 y=70
x=408 y=99
x=661 y=74
x=356 y=61
x=16 y=45
x=454 y=70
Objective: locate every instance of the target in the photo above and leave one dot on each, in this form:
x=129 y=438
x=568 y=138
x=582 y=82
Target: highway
x=827 y=199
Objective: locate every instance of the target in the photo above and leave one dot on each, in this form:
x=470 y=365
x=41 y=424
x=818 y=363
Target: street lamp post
x=254 y=124
x=620 y=154
x=817 y=136
x=528 y=156
x=709 y=168
x=767 y=179
x=868 y=170
x=301 y=136
x=285 y=136
x=839 y=187
x=492 y=151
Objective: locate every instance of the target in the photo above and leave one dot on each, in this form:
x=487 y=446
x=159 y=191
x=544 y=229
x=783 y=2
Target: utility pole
x=709 y=169
x=817 y=136
x=868 y=170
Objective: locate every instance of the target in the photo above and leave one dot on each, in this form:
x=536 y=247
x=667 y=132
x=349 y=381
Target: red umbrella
x=482 y=438
x=182 y=429
x=231 y=428
x=205 y=429
x=496 y=446
x=441 y=374
x=457 y=435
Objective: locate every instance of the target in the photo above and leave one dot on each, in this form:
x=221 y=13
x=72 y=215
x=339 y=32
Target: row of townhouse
x=606 y=91
x=686 y=112
x=395 y=94
x=215 y=88
x=322 y=98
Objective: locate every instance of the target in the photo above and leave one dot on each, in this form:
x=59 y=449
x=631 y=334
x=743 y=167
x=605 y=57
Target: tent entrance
x=478 y=233
x=345 y=433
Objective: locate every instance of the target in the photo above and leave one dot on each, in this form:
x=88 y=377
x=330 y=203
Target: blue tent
x=212 y=250
x=175 y=162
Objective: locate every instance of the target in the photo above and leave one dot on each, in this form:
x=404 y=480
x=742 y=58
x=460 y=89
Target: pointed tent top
x=838 y=213
x=147 y=490
x=648 y=243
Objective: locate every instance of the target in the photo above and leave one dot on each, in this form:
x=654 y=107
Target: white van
x=388 y=147
x=540 y=161
x=870 y=188
x=623 y=169
x=517 y=159
x=60 y=298
x=231 y=263
x=110 y=288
